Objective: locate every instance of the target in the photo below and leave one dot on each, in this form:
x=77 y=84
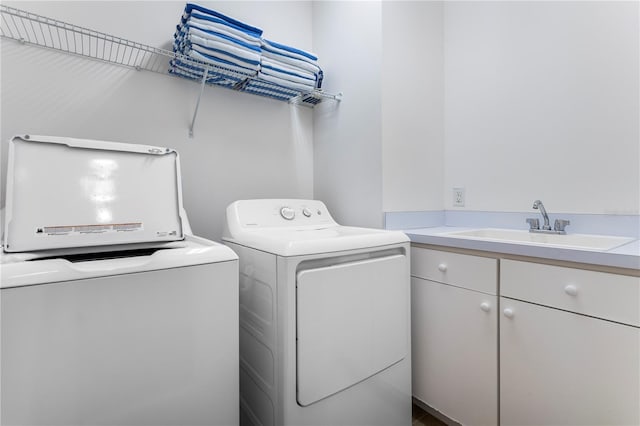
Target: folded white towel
x=248 y=56
x=308 y=66
x=225 y=29
x=286 y=68
x=224 y=58
x=223 y=38
x=286 y=83
x=218 y=61
x=287 y=76
x=289 y=51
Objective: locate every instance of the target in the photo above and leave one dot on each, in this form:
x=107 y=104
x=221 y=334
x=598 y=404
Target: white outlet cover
x=458 y=197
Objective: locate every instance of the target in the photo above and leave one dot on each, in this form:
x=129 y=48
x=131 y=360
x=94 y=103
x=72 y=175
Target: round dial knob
x=306 y=212
x=287 y=213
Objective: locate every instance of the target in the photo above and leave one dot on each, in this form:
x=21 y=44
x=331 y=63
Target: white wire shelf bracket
x=41 y=31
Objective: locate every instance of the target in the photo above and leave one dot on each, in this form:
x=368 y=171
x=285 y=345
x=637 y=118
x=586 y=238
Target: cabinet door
x=455 y=349
x=561 y=368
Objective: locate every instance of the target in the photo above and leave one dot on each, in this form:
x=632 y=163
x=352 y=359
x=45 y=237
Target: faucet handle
x=533 y=223
x=560 y=224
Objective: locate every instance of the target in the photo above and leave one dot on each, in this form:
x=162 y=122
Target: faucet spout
x=537 y=204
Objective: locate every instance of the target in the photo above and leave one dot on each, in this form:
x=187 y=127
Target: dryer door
x=352 y=322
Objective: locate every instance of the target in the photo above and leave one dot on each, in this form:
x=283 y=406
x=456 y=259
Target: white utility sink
x=571 y=241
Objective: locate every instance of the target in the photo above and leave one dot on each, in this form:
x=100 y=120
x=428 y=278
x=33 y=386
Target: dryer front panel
x=352 y=323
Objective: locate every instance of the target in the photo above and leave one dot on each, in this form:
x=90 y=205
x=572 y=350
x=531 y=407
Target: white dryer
x=324 y=317
x=111 y=312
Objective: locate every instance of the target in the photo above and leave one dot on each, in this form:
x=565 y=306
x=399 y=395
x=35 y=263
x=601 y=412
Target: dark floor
x=422 y=418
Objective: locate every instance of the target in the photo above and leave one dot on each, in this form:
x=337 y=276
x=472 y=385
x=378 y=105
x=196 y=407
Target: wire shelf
x=36 y=30
x=30 y=28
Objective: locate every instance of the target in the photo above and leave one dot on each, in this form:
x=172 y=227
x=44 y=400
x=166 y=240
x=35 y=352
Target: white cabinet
x=455 y=335
x=572 y=356
x=567 y=351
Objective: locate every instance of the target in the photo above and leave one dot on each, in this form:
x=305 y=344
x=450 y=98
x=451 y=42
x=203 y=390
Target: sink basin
x=571 y=241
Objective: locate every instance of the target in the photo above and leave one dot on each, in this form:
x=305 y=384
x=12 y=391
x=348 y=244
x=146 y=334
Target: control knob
x=287 y=213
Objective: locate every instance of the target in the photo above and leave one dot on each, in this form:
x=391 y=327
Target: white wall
x=412 y=106
x=512 y=100
x=382 y=148
x=542 y=101
x=347 y=138
x=244 y=146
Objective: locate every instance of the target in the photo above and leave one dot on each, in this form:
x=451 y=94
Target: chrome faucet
x=534 y=224
x=537 y=204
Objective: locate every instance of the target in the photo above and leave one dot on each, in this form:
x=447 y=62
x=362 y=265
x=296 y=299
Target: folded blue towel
x=285 y=68
x=223 y=28
x=216 y=52
x=289 y=50
x=219 y=37
x=190 y=7
x=288 y=84
x=210 y=20
x=277 y=70
x=220 y=59
x=215 y=46
x=225 y=55
x=296 y=63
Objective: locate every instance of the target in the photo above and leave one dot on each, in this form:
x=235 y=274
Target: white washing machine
x=111 y=312
x=324 y=317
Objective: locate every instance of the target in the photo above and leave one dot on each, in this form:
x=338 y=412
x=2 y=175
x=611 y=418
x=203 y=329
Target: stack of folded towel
x=285 y=72
x=243 y=59
x=289 y=67
x=211 y=37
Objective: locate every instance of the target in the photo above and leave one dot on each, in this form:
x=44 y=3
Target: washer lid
x=288 y=227
x=64 y=192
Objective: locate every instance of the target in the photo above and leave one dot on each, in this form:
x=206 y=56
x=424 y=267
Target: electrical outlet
x=458 y=197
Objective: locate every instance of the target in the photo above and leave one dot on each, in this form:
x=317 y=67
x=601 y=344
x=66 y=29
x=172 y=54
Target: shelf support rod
x=195 y=112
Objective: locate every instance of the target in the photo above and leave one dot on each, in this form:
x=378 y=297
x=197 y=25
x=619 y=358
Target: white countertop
x=625 y=256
